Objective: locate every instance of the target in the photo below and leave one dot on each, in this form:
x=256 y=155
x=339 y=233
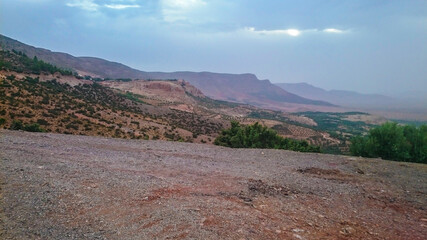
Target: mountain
x=38 y=96
x=242 y=88
x=339 y=97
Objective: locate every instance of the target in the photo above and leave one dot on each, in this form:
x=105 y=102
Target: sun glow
x=293 y=32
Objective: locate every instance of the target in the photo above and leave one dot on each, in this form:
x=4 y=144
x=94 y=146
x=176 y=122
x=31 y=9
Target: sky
x=369 y=46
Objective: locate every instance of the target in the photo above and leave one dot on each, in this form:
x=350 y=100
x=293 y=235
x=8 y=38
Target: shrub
x=17 y=125
x=33 y=127
x=393 y=142
x=2 y=121
x=258 y=136
x=42 y=122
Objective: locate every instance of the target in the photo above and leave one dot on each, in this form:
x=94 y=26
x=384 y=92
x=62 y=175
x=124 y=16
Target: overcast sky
x=363 y=45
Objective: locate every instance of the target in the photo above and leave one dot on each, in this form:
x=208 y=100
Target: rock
x=298 y=236
x=348 y=231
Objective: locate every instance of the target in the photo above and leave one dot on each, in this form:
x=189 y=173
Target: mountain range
x=338 y=97
x=241 y=88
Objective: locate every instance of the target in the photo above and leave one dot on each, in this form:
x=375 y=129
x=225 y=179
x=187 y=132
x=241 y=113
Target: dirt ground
x=78 y=187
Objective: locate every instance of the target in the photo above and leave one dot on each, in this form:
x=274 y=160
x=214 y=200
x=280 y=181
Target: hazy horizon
x=364 y=46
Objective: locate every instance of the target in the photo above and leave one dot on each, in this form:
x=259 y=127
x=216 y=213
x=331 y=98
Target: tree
x=393 y=142
x=258 y=136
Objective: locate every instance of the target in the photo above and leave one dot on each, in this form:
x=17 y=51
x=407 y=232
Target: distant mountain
x=242 y=88
x=339 y=97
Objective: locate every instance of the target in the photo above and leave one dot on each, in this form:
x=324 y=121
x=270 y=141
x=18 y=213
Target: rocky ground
x=78 y=187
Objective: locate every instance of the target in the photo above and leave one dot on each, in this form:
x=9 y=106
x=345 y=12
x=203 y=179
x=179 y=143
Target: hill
x=37 y=93
x=242 y=88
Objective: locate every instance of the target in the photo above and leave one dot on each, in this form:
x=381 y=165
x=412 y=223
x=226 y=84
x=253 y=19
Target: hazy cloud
x=121 y=6
x=91 y=5
x=333 y=30
x=88 y=5
x=178 y=10
x=292 y=31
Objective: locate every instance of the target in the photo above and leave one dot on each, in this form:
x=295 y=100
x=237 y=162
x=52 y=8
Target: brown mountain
x=37 y=96
x=242 y=88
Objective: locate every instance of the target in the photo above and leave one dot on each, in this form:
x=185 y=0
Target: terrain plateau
x=56 y=186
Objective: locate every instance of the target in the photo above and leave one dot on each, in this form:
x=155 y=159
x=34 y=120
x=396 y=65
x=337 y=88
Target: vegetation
x=336 y=124
x=20 y=62
x=32 y=127
x=393 y=142
x=258 y=136
x=132 y=96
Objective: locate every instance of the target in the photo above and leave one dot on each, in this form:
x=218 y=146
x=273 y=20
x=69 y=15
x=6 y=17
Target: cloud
x=292 y=32
x=88 y=5
x=333 y=30
x=178 y=10
x=182 y=4
x=121 y=6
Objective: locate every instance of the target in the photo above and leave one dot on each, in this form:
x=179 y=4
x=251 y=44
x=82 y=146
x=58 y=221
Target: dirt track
x=76 y=187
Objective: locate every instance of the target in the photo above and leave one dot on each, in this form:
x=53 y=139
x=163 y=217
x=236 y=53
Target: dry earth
x=78 y=187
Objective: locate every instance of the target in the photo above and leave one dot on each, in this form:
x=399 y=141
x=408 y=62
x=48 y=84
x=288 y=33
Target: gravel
x=78 y=187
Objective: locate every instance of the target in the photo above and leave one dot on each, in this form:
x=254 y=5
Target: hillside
x=56 y=186
x=242 y=88
x=36 y=93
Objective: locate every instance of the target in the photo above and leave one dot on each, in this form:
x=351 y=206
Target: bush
x=33 y=127
x=2 y=121
x=17 y=125
x=42 y=122
x=258 y=136
x=393 y=142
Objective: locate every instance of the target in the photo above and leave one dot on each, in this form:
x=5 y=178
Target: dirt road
x=77 y=187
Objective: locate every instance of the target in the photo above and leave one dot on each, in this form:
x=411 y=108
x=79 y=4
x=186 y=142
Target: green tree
x=393 y=142
x=258 y=136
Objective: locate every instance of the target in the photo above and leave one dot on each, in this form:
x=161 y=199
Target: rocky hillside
x=242 y=88
x=65 y=104
x=37 y=93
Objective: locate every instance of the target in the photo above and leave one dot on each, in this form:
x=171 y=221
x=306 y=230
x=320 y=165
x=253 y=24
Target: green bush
x=393 y=142
x=33 y=127
x=2 y=121
x=17 y=125
x=258 y=136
